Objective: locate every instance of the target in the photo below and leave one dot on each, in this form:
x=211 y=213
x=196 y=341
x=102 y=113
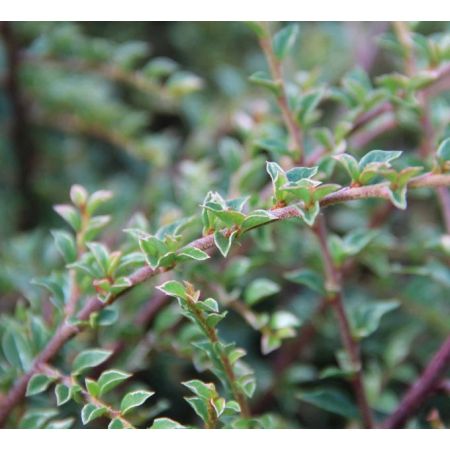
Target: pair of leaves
x=369 y=166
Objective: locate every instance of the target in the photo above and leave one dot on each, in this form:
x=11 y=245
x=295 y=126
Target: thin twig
x=333 y=285
x=416 y=395
x=293 y=127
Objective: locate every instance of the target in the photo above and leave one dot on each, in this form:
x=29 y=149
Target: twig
x=333 y=285
x=294 y=129
x=416 y=395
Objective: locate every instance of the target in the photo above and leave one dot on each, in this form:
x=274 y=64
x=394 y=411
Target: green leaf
x=309 y=278
x=223 y=243
x=183 y=83
x=153 y=249
x=38 y=383
x=89 y=358
x=193 y=253
x=365 y=317
x=259 y=289
x=350 y=164
x=92 y=387
x=257 y=218
x=443 y=154
x=378 y=158
x=110 y=379
x=78 y=195
x=173 y=288
x=63 y=394
x=65 y=243
x=70 y=215
x=308 y=103
x=284 y=40
x=202 y=390
x=116 y=424
x=160 y=67
x=261 y=78
x=300 y=173
x=330 y=400
x=269 y=343
x=37 y=418
x=398 y=197
x=164 y=423
x=101 y=255
x=62 y=424
x=284 y=319
x=16 y=349
x=198 y=405
x=310 y=213
x=91 y=412
x=134 y=399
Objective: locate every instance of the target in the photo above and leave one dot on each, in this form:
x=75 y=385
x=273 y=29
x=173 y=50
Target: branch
x=288 y=117
x=351 y=345
x=66 y=331
x=416 y=395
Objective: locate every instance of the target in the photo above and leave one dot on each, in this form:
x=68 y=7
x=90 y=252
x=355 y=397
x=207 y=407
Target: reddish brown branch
x=422 y=388
x=351 y=345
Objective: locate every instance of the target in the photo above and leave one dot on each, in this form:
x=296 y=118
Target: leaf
x=308 y=103
x=183 y=83
x=350 y=164
x=134 y=399
x=78 y=195
x=110 y=379
x=198 y=405
x=164 y=423
x=202 y=390
x=443 y=153
x=16 y=349
x=65 y=244
x=299 y=173
x=193 y=253
x=101 y=255
x=173 y=288
x=89 y=358
x=259 y=289
x=284 y=40
x=91 y=412
x=284 y=319
x=38 y=383
x=261 y=78
x=330 y=400
x=37 y=418
x=97 y=199
x=365 y=317
x=398 y=197
x=116 y=424
x=269 y=343
x=153 y=249
x=309 y=278
x=63 y=394
x=70 y=215
x=160 y=67
x=378 y=157
x=310 y=213
x=92 y=387
x=257 y=218
x=223 y=243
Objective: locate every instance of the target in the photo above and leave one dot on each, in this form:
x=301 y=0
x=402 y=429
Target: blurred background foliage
x=160 y=113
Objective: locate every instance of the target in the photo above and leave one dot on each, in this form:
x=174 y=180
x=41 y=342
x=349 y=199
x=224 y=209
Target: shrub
x=265 y=255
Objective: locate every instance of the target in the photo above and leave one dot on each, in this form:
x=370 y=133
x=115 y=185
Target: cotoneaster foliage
x=275 y=257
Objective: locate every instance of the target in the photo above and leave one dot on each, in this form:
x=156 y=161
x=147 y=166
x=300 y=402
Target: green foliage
x=157 y=166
